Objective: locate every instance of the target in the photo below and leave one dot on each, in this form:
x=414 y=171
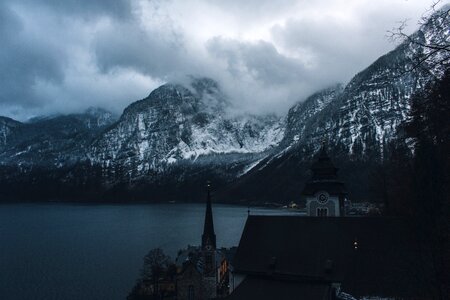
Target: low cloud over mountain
x=64 y=56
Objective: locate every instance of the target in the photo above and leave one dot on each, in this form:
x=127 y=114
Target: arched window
x=322 y=211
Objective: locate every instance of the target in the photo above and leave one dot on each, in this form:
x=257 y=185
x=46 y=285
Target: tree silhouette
x=430 y=129
x=435 y=50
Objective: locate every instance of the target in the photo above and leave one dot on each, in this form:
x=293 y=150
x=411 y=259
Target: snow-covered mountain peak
x=177 y=122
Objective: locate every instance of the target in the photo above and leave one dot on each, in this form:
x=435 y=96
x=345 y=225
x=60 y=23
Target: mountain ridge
x=182 y=134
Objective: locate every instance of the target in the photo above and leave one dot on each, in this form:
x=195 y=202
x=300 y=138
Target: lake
x=71 y=251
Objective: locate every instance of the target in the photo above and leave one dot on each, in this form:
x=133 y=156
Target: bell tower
x=325 y=194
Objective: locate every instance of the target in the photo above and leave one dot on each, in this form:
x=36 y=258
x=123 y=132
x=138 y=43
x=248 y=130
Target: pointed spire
x=208 y=237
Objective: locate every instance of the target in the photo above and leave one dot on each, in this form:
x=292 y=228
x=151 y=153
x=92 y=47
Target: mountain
x=181 y=134
x=357 y=122
x=51 y=141
x=367 y=113
x=7 y=126
x=300 y=116
x=164 y=147
x=176 y=125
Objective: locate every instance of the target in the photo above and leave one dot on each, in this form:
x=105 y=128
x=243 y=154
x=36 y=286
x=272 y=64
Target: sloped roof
x=259 y=288
x=323 y=167
x=334 y=187
x=387 y=261
x=324 y=176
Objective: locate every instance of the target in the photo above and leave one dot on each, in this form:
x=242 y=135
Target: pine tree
x=430 y=129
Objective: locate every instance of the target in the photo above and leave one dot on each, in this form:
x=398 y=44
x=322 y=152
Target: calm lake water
x=70 y=251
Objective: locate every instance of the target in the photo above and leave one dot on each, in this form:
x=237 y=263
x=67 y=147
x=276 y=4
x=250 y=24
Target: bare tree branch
x=433 y=52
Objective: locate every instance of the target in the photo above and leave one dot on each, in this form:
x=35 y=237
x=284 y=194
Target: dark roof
x=387 y=261
x=334 y=187
x=208 y=236
x=257 y=287
x=324 y=176
x=323 y=167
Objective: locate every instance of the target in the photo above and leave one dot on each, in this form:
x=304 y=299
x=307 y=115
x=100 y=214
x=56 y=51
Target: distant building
x=204 y=272
x=325 y=194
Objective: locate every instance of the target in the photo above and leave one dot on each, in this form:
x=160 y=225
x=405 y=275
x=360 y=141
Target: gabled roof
x=385 y=261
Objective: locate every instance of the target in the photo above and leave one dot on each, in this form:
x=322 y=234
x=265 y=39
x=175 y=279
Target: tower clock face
x=322 y=197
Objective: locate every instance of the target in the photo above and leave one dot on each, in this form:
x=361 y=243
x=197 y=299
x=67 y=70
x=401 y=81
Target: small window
x=191 y=294
x=322 y=211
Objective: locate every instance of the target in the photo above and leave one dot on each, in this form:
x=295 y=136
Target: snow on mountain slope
x=301 y=113
x=7 y=126
x=51 y=141
x=184 y=133
x=360 y=119
x=176 y=123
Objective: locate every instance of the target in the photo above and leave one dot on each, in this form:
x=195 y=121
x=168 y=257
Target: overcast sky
x=64 y=56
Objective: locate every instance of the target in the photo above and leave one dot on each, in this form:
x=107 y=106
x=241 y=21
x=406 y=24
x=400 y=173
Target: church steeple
x=208 y=236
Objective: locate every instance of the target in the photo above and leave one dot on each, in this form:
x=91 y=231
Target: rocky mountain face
x=51 y=141
x=300 y=116
x=7 y=126
x=362 y=117
x=357 y=121
x=168 y=144
x=177 y=124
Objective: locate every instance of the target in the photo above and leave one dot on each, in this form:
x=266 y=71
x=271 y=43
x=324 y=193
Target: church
x=204 y=272
x=327 y=255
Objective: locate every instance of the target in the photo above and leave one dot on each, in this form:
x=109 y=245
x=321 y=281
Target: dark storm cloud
x=23 y=59
x=126 y=45
x=37 y=38
x=63 y=56
x=121 y=9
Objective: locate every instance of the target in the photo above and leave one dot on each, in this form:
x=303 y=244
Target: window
x=322 y=212
x=191 y=293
